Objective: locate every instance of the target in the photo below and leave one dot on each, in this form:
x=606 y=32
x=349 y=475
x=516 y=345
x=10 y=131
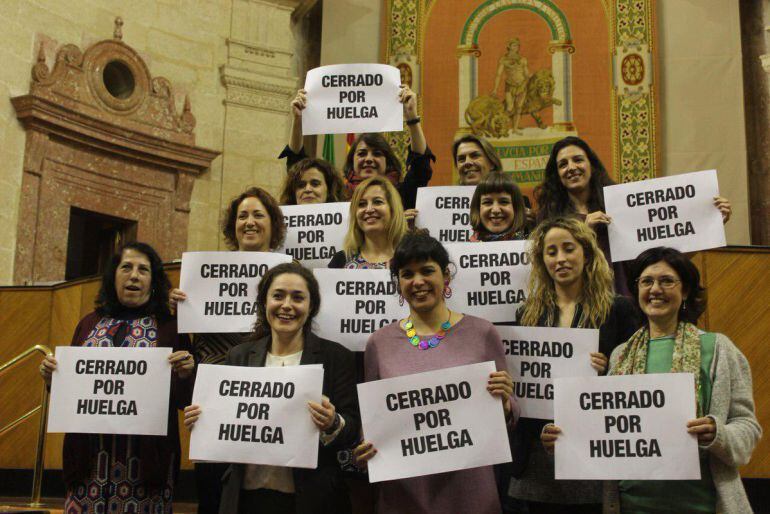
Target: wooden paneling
x=66 y=312
x=738 y=285
x=25 y=317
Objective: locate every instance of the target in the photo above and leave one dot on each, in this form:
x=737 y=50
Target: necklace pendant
x=432 y=342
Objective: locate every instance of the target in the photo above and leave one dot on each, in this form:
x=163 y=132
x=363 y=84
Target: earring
x=447 y=291
x=684 y=304
x=400 y=300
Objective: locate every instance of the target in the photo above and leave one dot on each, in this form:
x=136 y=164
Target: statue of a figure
x=513 y=66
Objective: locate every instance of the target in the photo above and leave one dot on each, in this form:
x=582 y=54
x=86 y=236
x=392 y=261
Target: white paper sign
x=221 y=289
x=256 y=415
x=98 y=390
x=355 y=304
x=433 y=422
x=536 y=355
x=446 y=212
x=676 y=211
x=630 y=427
x=491 y=279
x=345 y=98
x=314 y=233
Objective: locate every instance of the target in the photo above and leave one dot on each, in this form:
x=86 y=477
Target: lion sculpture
x=540 y=88
x=487 y=118
x=486 y=114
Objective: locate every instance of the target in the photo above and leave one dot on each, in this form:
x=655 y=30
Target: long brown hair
x=597 y=295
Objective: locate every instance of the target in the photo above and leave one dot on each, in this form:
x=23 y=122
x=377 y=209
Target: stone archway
x=560 y=48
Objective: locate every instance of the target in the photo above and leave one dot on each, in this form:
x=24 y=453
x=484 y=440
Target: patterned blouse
x=138 y=332
x=358 y=262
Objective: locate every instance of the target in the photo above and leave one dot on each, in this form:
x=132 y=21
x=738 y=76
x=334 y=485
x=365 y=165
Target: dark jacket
x=338 y=260
x=319 y=490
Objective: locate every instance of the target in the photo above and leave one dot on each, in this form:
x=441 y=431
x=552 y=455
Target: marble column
x=468 y=80
x=561 y=67
x=755 y=36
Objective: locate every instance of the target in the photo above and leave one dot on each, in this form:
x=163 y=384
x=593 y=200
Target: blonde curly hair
x=598 y=293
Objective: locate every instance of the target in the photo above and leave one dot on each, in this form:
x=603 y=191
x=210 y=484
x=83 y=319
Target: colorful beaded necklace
x=433 y=342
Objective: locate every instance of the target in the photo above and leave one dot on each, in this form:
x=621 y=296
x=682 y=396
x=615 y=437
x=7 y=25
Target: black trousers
x=208 y=480
x=555 y=508
x=514 y=506
x=266 y=501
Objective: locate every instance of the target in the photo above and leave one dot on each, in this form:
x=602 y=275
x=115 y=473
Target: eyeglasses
x=666 y=282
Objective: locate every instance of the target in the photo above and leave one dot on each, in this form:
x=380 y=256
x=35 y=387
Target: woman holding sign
x=570 y=286
x=252 y=222
x=131 y=311
x=497 y=210
x=573 y=185
x=377 y=224
x=288 y=299
x=434 y=337
x=312 y=181
x=370 y=154
x=666 y=287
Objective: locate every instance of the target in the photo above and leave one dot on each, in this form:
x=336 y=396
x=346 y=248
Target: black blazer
x=338 y=260
x=319 y=490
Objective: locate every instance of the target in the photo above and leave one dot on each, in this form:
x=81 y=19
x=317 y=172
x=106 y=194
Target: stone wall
x=179 y=42
x=233 y=59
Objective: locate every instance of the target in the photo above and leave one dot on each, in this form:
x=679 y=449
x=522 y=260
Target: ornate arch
x=546 y=9
x=560 y=48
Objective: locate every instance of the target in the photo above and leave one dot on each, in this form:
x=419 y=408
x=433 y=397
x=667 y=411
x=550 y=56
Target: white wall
x=701 y=98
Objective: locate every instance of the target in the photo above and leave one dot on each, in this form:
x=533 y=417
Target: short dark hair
x=277 y=226
x=486 y=147
x=261 y=327
x=334 y=186
x=695 y=303
x=107 y=303
x=418 y=246
x=378 y=142
x=551 y=195
x=498 y=183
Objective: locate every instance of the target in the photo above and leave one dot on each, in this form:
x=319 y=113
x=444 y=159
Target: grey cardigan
x=732 y=408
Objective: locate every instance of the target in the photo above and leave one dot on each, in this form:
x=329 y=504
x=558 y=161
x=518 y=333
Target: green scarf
x=686 y=359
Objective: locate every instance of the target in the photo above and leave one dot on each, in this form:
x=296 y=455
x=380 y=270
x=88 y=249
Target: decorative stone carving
x=102 y=135
x=257 y=75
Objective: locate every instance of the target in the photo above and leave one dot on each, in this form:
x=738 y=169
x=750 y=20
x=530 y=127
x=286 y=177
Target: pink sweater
x=389 y=354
